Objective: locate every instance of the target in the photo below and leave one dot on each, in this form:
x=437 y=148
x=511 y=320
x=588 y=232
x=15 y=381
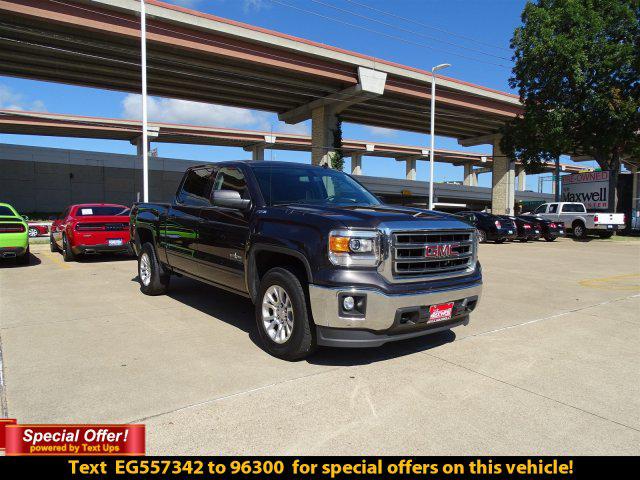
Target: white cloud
x=254 y=5
x=11 y=100
x=382 y=132
x=169 y=110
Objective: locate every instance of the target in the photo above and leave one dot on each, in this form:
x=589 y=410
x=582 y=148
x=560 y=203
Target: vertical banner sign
x=590 y=188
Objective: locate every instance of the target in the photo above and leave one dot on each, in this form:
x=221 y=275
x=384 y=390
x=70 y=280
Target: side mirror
x=25 y=217
x=229 y=199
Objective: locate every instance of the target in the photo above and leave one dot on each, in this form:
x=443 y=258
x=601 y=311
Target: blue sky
x=472 y=35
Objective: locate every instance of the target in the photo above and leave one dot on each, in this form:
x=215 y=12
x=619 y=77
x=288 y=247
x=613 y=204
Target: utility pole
x=145 y=137
x=433 y=127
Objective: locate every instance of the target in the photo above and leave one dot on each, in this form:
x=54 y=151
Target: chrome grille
x=424 y=254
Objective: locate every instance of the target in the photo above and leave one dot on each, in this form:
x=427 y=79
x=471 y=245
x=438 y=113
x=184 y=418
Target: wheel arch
x=264 y=257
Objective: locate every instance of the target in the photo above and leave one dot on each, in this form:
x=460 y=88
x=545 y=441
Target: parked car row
x=502 y=228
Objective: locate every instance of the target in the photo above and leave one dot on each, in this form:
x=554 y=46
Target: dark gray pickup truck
x=322 y=259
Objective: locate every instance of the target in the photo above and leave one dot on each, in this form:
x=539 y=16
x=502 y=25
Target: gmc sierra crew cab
x=322 y=259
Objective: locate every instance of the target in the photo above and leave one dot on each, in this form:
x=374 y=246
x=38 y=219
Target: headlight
x=358 y=248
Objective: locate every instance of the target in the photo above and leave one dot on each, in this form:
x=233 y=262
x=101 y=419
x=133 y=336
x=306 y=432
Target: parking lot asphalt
x=548 y=365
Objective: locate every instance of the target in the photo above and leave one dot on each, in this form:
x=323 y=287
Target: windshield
x=101 y=210
x=282 y=185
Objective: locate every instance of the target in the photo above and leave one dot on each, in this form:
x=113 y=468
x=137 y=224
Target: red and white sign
x=437 y=313
x=590 y=188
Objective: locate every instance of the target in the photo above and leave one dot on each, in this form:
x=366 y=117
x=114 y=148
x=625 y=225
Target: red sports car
x=91 y=228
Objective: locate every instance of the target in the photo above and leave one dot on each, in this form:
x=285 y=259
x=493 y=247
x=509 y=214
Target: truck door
x=179 y=233
x=223 y=234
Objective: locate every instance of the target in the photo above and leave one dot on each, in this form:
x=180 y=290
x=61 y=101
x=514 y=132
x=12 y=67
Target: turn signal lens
x=339 y=244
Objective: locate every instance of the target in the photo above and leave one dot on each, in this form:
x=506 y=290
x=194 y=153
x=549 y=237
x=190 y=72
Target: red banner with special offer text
x=3 y=423
x=75 y=440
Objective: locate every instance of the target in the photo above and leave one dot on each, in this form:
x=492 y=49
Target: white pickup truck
x=576 y=218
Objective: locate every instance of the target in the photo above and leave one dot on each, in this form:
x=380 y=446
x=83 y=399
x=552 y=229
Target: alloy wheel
x=145 y=269
x=277 y=314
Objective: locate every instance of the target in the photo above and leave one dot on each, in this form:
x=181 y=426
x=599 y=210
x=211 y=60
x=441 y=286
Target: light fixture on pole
x=145 y=136
x=433 y=129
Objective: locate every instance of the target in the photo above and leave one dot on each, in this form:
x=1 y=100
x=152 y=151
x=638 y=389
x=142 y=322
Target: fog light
x=348 y=303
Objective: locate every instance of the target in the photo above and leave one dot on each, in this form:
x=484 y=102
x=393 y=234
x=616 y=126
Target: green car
x=14 y=236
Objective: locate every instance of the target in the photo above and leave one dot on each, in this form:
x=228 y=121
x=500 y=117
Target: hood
x=375 y=216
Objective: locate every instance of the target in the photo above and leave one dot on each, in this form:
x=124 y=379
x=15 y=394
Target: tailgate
x=609 y=219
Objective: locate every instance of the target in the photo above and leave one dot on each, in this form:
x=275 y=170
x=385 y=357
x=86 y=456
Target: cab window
x=231 y=178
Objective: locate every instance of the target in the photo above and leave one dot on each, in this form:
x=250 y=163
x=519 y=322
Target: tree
x=337 y=157
x=577 y=69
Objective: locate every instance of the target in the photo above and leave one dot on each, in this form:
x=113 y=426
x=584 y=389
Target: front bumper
x=385 y=315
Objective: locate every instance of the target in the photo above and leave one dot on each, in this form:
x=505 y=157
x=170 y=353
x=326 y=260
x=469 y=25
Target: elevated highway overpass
x=201 y=57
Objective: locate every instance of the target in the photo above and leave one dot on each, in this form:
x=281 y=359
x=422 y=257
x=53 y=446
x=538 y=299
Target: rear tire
x=579 y=231
x=283 y=319
x=524 y=240
x=24 y=259
x=550 y=239
x=153 y=278
x=605 y=235
x=67 y=252
x=52 y=244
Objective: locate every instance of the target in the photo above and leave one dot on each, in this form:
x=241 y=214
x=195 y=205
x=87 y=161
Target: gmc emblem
x=437 y=251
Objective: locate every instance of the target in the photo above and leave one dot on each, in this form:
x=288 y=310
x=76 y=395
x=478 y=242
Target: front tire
x=282 y=316
x=32 y=232
x=153 y=278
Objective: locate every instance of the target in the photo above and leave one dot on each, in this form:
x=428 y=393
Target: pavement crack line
x=231 y=395
x=560 y=402
x=550 y=317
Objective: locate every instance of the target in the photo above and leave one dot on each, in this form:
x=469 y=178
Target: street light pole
x=433 y=127
x=145 y=137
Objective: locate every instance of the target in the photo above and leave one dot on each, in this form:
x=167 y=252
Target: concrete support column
x=522 y=178
x=323 y=124
x=257 y=152
x=411 y=168
x=138 y=143
x=470 y=176
x=502 y=182
x=356 y=163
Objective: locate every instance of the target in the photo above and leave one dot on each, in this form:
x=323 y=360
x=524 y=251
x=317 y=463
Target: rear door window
x=573 y=208
x=196 y=186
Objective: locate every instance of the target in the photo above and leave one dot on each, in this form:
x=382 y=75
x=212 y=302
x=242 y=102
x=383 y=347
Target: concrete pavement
x=548 y=364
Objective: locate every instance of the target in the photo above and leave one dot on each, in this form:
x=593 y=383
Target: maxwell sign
x=590 y=188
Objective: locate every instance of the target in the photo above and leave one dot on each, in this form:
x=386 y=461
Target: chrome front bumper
x=381 y=308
